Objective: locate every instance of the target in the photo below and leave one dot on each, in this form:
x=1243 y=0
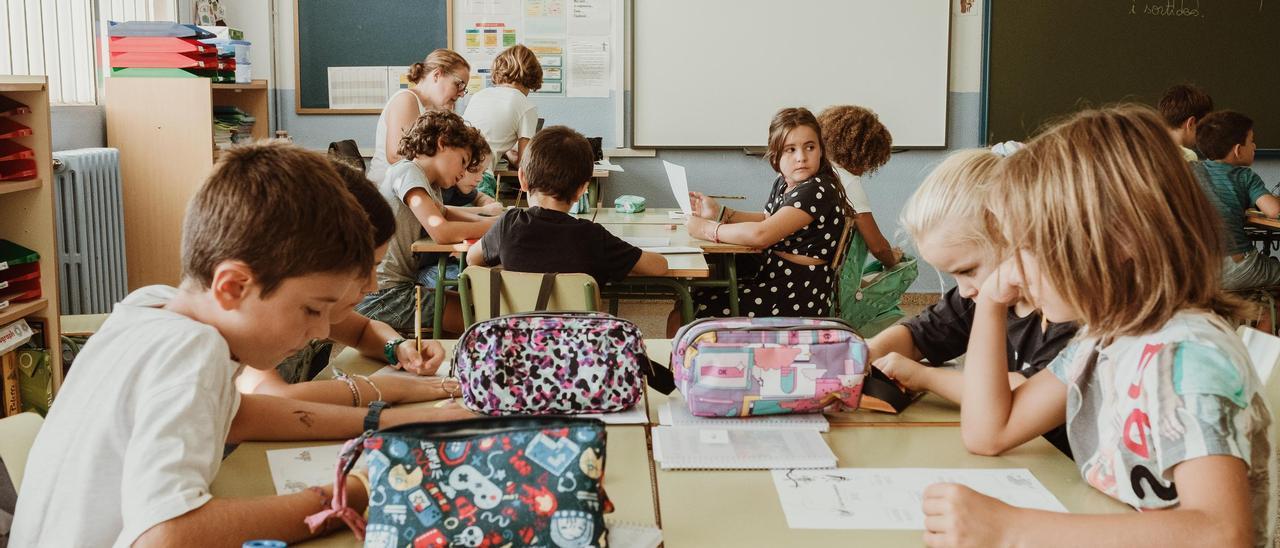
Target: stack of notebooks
x=165 y=49
x=231 y=126
x=684 y=441
x=17 y=161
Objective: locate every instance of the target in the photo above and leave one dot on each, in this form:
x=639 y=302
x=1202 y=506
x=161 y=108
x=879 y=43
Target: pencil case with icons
x=628 y=204
x=739 y=367
x=508 y=481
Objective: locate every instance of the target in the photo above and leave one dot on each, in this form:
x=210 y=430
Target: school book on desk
x=690 y=448
x=675 y=412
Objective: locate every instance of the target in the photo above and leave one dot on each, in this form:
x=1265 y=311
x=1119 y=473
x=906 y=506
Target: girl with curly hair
x=857 y=145
x=438 y=82
x=436 y=153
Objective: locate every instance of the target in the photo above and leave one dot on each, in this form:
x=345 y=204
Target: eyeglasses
x=460 y=84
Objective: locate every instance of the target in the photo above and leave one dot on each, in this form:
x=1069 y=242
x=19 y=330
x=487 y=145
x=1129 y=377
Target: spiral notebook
x=736 y=449
x=676 y=413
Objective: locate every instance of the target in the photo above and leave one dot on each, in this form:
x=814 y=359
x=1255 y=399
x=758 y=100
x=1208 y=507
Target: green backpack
x=868 y=296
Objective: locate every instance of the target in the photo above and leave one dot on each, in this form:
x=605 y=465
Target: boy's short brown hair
x=1184 y=101
x=517 y=65
x=280 y=209
x=855 y=139
x=1221 y=131
x=382 y=220
x=558 y=162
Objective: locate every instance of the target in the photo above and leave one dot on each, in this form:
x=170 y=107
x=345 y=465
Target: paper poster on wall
x=357 y=87
x=588 y=17
x=589 y=74
x=487 y=27
x=550 y=52
x=544 y=16
x=397 y=79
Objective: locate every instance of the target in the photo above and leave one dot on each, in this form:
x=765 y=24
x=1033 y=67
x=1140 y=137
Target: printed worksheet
x=679 y=185
x=890 y=498
x=294 y=470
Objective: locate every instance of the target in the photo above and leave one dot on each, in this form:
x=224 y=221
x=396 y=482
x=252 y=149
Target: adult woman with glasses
x=438 y=81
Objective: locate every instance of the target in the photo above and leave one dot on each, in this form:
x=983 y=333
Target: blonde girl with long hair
x=1102 y=222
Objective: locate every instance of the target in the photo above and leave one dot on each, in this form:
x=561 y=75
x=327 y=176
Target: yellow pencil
x=417 y=316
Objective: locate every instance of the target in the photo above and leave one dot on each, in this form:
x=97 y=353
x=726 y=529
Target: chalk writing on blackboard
x=1170 y=8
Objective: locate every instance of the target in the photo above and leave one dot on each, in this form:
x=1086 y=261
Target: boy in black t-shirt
x=545 y=237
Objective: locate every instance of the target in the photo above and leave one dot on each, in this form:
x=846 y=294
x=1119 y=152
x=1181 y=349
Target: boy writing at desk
x=127 y=453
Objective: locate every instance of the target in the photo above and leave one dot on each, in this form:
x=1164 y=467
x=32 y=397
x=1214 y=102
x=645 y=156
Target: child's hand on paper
x=703 y=205
x=957 y=516
x=426 y=362
x=1004 y=284
x=903 y=370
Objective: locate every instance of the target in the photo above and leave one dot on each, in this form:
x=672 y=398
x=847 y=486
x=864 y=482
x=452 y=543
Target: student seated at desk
x=799 y=229
x=438 y=82
x=437 y=152
x=374 y=339
x=467 y=196
x=1226 y=138
x=1161 y=402
x=545 y=237
x=128 y=451
x=857 y=144
x=1183 y=107
x=945 y=217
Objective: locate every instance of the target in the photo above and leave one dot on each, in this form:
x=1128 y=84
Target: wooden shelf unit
x=27 y=213
x=163 y=128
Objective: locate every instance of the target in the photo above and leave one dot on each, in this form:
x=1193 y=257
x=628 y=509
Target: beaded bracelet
x=375 y=387
x=338 y=374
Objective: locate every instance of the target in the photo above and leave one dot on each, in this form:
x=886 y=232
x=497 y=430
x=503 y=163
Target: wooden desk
x=931 y=410
x=696 y=505
x=627 y=478
x=1256 y=218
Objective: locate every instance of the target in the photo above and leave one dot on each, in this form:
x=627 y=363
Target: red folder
x=10 y=106
x=13 y=150
x=9 y=128
x=169 y=60
x=159 y=44
x=14 y=170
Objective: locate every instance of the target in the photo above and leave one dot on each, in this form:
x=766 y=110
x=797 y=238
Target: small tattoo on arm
x=305 y=418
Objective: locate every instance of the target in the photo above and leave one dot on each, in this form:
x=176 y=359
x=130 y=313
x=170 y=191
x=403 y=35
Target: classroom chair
x=1264 y=352
x=347 y=151
x=867 y=295
x=17 y=434
x=491 y=292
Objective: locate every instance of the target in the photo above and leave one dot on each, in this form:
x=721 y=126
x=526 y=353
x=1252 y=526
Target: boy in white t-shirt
x=504 y=113
x=136 y=436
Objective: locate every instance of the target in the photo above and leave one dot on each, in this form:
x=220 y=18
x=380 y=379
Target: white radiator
x=90 y=218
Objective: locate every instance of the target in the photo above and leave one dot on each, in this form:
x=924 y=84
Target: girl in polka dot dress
x=798 y=231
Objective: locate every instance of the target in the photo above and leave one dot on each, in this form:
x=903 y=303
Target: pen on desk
x=417 y=316
x=719 y=197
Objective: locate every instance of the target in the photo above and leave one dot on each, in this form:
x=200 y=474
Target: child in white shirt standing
x=504 y=113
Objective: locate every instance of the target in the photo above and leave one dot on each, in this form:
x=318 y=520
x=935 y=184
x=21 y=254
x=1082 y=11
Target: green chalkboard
x=1047 y=59
x=349 y=33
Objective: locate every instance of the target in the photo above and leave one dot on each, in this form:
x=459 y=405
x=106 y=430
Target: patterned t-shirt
x=819 y=197
x=1139 y=406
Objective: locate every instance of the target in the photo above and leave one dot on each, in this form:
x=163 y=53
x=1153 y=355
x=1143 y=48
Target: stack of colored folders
x=17 y=161
x=230 y=126
x=19 y=274
x=162 y=49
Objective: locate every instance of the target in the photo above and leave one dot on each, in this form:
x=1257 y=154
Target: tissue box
x=628 y=204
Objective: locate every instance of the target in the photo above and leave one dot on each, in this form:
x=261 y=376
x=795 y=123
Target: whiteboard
x=711 y=73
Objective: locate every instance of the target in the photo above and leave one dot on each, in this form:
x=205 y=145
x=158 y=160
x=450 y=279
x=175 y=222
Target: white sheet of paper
x=647 y=241
x=676 y=214
x=890 y=498
x=633 y=535
x=674 y=250
x=294 y=470
x=607 y=166
x=679 y=185
x=676 y=413
x=588 y=67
